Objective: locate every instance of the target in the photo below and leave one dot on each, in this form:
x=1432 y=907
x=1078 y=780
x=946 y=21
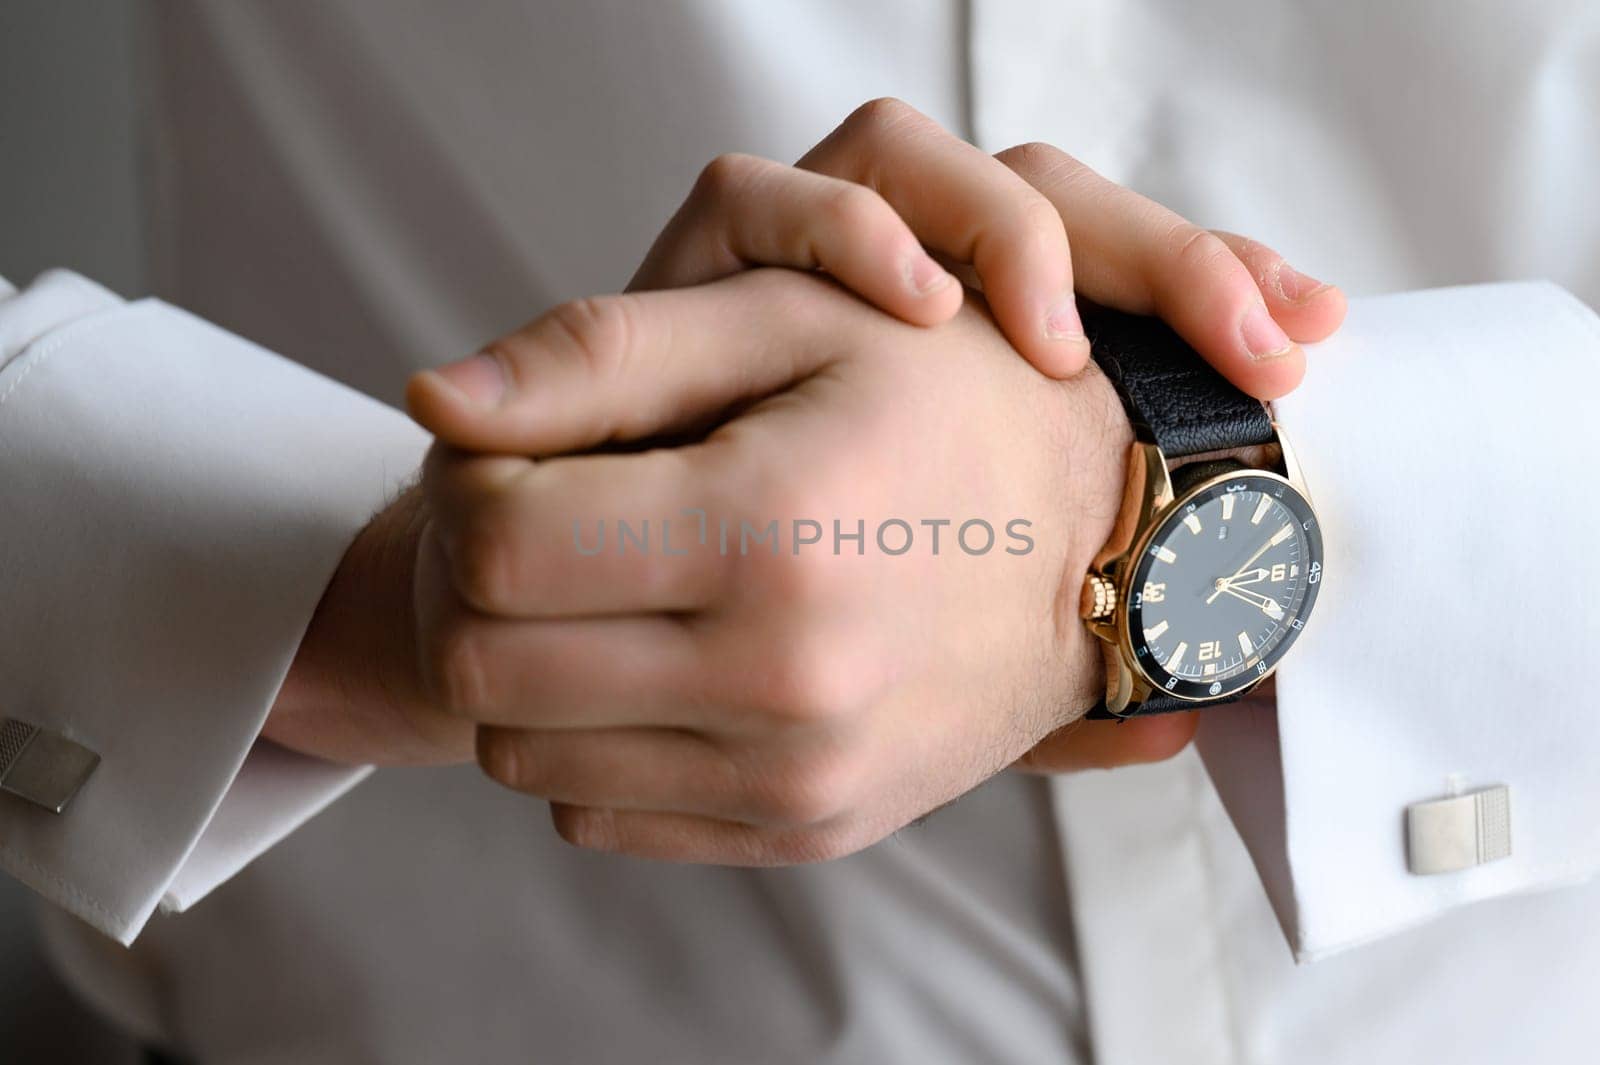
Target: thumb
x=622 y=368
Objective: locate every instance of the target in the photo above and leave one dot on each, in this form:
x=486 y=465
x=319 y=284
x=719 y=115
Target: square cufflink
x=1459 y=831
x=43 y=767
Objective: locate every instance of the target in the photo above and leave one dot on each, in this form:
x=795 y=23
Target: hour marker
x=1193 y=521
x=1227 y=507
x=1261 y=509
x=1211 y=667
x=1166 y=554
x=1244 y=643
x=1281 y=535
x=1294 y=570
x=1154 y=632
x=1171 y=664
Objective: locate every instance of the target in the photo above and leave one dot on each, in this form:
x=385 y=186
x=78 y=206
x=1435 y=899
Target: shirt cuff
x=176 y=500
x=1443 y=437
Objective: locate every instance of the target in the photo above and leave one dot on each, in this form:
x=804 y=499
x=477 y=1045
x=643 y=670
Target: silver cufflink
x=43 y=767
x=1459 y=831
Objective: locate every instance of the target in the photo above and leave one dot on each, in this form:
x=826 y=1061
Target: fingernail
x=1294 y=286
x=1062 y=322
x=480 y=378
x=1262 y=336
x=927 y=276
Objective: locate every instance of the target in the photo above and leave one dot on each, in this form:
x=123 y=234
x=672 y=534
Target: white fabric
x=276 y=791
x=55 y=298
x=1183 y=961
x=375 y=186
x=172 y=518
x=1450 y=635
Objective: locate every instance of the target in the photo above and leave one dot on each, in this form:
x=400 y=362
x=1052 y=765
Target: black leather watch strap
x=1156 y=703
x=1176 y=399
x=1186 y=407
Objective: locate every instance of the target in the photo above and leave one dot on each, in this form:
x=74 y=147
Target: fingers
x=1309 y=310
x=652 y=769
x=1136 y=255
x=618 y=368
x=688 y=838
x=670 y=770
x=580 y=536
x=1088 y=744
x=584 y=674
x=961 y=202
x=748 y=211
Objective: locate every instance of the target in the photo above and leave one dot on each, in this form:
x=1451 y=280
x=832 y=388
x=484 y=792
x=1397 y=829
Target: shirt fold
x=176 y=500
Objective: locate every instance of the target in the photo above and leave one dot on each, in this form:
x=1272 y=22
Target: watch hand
x=1222 y=584
x=1269 y=606
x=1259 y=552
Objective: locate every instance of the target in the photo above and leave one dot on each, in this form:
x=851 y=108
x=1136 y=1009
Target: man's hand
x=1033 y=226
x=774 y=701
x=866 y=200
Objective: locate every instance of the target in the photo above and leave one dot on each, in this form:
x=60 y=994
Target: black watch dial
x=1224 y=585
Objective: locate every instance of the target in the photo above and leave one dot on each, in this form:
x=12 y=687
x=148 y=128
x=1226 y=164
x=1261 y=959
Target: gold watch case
x=1147 y=500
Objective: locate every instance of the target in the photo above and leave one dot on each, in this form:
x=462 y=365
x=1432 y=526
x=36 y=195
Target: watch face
x=1224 y=585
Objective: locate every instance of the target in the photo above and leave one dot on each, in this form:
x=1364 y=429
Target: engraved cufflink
x=1459 y=831
x=43 y=767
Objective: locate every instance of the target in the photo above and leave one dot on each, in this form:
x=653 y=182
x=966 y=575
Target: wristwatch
x=1214 y=563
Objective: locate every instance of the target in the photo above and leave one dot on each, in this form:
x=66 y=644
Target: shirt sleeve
x=1444 y=438
x=176 y=500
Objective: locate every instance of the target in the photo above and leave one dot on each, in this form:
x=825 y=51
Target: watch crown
x=1099 y=598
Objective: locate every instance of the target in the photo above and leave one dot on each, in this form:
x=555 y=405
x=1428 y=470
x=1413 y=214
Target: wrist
x=1097 y=438
x=352 y=693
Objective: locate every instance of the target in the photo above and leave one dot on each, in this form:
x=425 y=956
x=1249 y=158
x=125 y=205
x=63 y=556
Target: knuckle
x=585 y=827
x=1249 y=249
x=807 y=682
x=1039 y=229
x=807 y=792
x=600 y=332
x=500 y=757
x=453 y=661
x=516 y=351
x=882 y=115
x=803 y=569
x=795 y=582
x=483 y=556
x=1198 y=250
x=854 y=209
x=1036 y=158
x=1265 y=266
x=1033 y=233
x=654 y=577
x=725 y=175
x=779 y=491
x=1040 y=223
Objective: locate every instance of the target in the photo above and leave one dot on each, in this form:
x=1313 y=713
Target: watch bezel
x=1136 y=651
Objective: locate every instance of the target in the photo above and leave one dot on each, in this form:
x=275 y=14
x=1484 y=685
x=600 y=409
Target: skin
x=769 y=708
x=1032 y=227
x=772 y=709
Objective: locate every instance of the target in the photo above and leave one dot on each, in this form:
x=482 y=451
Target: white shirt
x=374 y=187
